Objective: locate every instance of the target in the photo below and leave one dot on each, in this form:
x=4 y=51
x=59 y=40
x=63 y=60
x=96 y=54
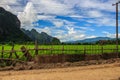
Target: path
x=94 y=72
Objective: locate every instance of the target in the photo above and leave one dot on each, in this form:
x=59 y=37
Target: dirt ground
x=92 y=72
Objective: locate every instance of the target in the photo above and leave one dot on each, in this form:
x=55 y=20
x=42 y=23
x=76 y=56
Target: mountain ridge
x=42 y=38
x=10 y=28
x=90 y=40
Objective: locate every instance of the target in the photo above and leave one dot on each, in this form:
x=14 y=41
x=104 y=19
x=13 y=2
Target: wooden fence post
x=84 y=53
x=63 y=49
x=36 y=47
x=2 y=51
x=63 y=55
x=102 y=49
x=12 y=50
x=51 y=49
x=84 y=50
x=16 y=55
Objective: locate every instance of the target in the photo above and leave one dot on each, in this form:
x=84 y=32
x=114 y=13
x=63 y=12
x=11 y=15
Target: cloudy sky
x=66 y=19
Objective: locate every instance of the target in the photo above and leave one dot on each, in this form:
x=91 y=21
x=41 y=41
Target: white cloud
x=53 y=7
x=58 y=23
x=91 y=36
x=48 y=30
x=84 y=28
x=63 y=35
x=76 y=16
x=96 y=4
x=45 y=17
x=6 y=5
x=103 y=21
x=34 y=10
x=68 y=37
x=111 y=35
x=71 y=34
x=7 y=2
x=77 y=35
x=94 y=14
x=61 y=22
x=71 y=30
x=28 y=16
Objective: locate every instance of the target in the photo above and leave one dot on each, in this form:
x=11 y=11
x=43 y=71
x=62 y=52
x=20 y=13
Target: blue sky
x=66 y=19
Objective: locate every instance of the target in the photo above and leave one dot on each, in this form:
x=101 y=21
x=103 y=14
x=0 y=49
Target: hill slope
x=10 y=28
x=90 y=40
x=42 y=38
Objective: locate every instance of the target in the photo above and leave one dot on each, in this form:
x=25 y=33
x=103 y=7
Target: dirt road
x=94 y=72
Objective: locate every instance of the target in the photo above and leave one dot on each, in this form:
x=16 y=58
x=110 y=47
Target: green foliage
x=62 y=49
x=10 y=28
x=42 y=38
x=55 y=41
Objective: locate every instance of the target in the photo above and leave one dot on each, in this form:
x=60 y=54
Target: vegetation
x=42 y=38
x=10 y=28
x=10 y=32
x=66 y=49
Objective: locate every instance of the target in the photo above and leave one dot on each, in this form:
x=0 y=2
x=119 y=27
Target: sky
x=68 y=20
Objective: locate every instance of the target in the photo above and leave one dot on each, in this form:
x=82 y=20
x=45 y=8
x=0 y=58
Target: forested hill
x=42 y=38
x=10 y=28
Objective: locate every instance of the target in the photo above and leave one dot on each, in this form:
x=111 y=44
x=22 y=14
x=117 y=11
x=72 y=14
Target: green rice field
x=66 y=49
x=58 y=49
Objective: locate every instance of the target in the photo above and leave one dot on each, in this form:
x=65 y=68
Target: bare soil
x=91 y=72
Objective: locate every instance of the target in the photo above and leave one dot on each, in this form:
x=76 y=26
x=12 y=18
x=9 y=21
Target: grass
x=61 y=49
x=67 y=49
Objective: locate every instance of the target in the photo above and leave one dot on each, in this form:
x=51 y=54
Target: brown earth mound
x=33 y=65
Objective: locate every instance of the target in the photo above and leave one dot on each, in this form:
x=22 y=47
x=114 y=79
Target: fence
x=61 y=54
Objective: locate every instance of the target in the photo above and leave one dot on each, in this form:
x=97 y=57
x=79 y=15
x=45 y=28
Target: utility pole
x=116 y=4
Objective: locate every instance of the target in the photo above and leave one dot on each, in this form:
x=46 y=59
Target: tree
x=55 y=41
